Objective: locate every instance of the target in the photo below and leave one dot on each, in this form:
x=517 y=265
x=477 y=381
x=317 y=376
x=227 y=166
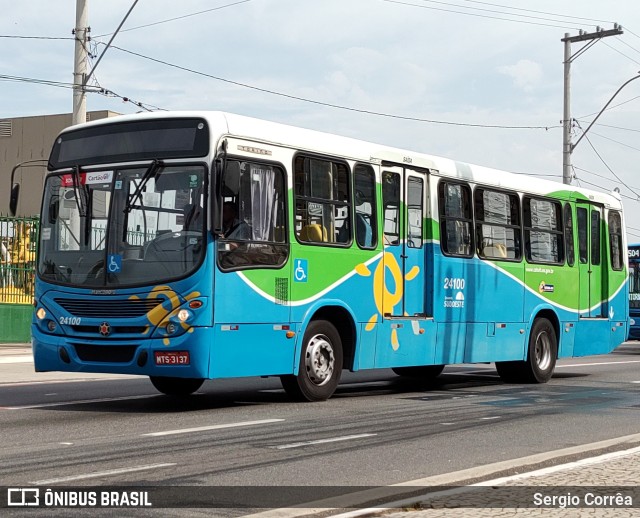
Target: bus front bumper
x=184 y=356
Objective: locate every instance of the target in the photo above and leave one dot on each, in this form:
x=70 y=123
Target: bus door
x=404 y=208
x=590 y=261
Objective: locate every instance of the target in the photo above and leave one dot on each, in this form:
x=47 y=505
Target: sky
x=475 y=81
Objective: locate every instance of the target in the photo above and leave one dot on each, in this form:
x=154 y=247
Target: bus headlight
x=632 y=322
x=41 y=314
x=171 y=328
x=184 y=315
x=51 y=326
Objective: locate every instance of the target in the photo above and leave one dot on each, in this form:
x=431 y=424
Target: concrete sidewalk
x=16 y=367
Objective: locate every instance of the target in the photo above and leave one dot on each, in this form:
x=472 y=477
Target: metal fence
x=18 y=242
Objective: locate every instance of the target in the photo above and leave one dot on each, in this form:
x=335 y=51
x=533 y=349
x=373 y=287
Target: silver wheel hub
x=542 y=351
x=319 y=360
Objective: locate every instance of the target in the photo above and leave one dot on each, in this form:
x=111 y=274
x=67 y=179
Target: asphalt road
x=378 y=429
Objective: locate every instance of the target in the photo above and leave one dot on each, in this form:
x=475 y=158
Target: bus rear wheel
x=424 y=373
x=320 y=364
x=176 y=386
x=541 y=357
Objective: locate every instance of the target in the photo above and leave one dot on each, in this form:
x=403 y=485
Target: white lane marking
x=322 y=441
x=97 y=474
x=562 y=467
x=489 y=418
x=107 y=377
x=447 y=424
x=497 y=481
x=594 y=363
x=17 y=359
x=67 y=443
x=212 y=427
x=635 y=382
x=78 y=402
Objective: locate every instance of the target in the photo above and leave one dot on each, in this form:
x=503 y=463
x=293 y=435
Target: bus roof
x=223 y=124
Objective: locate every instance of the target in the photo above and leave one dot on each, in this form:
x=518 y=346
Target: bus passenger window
x=365 y=207
x=595 y=236
x=498 y=225
x=582 y=235
x=568 y=235
x=391 y=207
x=414 y=212
x=543 y=231
x=615 y=240
x=454 y=202
x=323 y=209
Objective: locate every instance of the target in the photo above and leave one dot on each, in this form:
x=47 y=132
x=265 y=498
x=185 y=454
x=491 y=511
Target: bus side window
x=497 y=224
x=391 y=207
x=568 y=235
x=543 y=231
x=454 y=200
x=615 y=240
x=365 y=207
x=322 y=201
x=582 y=235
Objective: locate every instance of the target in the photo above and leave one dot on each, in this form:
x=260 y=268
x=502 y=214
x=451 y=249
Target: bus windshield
x=634 y=277
x=118 y=227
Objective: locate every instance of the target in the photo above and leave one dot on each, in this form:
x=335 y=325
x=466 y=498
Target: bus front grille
x=129 y=308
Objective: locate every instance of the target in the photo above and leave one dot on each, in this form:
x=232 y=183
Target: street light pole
x=572 y=146
x=81 y=33
x=592 y=37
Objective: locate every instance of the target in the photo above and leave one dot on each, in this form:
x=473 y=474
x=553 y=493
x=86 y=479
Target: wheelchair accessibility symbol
x=114 y=263
x=300 y=272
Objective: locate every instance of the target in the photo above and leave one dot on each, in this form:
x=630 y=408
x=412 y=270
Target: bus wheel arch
x=344 y=323
x=319 y=366
x=542 y=352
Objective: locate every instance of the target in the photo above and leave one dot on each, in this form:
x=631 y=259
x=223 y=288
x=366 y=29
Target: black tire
x=424 y=373
x=320 y=364
x=176 y=386
x=541 y=357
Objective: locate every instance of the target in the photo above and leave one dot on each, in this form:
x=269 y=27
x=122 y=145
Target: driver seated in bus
x=232 y=227
x=192 y=217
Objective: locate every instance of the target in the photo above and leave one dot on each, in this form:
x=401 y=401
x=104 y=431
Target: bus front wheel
x=176 y=386
x=541 y=357
x=320 y=364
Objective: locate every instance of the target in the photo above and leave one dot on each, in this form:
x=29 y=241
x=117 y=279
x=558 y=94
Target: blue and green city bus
x=634 y=292
x=190 y=246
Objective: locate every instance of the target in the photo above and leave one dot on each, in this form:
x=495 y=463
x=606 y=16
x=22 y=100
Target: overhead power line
x=605 y=163
x=90 y=89
x=10 y=36
x=176 y=18
x=484 y=15
x=538 y=12
x=330 y=105
x=544 y=18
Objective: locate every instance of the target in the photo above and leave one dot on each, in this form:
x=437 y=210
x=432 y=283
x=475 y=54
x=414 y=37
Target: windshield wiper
x=80 y=203
x=151 y=171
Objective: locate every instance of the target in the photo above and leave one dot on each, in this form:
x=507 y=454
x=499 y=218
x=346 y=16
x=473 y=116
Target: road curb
x=405 y=492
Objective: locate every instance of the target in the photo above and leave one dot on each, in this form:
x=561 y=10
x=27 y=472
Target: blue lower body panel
x=119 y=357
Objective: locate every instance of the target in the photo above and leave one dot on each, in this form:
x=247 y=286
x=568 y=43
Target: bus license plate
x=172 y=358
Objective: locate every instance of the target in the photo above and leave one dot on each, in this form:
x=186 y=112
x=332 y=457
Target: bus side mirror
x=13 y=199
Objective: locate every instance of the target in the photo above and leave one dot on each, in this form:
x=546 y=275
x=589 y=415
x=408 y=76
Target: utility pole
x=81 y=33
x=592 y=37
